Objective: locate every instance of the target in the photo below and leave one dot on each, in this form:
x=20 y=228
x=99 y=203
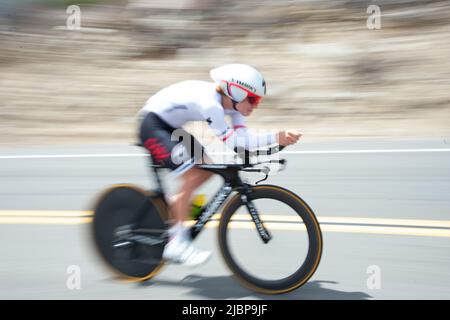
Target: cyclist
x=236 y=91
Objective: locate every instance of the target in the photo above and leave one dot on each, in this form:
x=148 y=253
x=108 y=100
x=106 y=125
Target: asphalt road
x=384 y=208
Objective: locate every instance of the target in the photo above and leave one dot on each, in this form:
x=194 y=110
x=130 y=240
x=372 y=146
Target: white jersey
x=194 y=100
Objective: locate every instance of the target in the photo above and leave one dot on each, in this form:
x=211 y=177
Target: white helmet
x=239 y=81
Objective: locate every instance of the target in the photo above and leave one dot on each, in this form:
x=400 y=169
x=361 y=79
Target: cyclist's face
x=246 y=106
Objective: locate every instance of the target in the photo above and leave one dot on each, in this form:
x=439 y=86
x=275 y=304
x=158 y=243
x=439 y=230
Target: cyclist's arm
x=264 y=139
x=238 y=136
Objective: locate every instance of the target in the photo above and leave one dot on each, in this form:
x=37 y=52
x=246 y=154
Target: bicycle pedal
x=123 y=244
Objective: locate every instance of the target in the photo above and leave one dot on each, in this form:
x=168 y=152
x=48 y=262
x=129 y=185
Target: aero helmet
x=239 y=81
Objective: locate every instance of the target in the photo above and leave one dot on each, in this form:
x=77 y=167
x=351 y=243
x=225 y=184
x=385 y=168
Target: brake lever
x=262 y=179
x=266 y=171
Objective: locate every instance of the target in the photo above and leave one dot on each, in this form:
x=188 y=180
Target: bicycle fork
x=262 y=230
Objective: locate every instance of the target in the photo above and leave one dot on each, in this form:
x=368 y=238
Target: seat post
x=159 y=186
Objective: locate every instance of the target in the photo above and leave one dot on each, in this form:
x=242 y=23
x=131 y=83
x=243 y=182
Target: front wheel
x=292 y=255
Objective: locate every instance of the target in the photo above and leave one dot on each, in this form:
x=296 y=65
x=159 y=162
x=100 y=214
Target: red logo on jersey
x=158 y=152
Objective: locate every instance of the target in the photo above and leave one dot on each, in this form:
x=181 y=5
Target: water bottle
x=196 y=207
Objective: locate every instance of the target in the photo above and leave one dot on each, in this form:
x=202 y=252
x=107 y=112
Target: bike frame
x=232 y=182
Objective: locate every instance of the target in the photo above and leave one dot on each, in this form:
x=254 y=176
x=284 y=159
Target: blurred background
x=331 y=71
x=368 y=74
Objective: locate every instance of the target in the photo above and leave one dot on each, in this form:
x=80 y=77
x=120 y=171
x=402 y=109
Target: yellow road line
x=45 y=213
x=45 y=220
x=384 y=221
x=405 y=227
x=355 y=220
x=401 y=231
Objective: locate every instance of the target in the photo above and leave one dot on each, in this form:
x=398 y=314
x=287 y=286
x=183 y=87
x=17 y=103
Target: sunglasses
x=253 y=99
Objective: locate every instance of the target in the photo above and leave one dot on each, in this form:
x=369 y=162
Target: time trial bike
x=130 y=228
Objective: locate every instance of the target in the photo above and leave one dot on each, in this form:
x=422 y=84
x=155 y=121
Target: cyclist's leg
x=180 y=248
x=190 y=181
x=165 y=149
x=191 y=177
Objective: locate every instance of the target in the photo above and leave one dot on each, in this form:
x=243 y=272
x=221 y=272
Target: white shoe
x=180 y=250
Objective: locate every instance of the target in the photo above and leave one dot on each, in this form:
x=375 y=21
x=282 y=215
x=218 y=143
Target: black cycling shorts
x=172 y=148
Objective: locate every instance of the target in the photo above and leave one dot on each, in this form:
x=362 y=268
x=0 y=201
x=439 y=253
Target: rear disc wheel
x=115 y=212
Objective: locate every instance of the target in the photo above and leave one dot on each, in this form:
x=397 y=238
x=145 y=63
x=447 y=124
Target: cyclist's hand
x=288 y=137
